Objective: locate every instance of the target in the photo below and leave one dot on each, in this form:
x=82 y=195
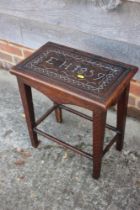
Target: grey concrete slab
x=121 y=24
x=52 y=178
x=33 y=34
x=80 y=24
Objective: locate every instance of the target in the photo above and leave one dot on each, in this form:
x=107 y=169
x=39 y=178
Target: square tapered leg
x=121 y=117
x=26 y=96
x=58 y=115
x=99 y=121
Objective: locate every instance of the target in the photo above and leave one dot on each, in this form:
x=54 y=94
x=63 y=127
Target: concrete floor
x=52 y=178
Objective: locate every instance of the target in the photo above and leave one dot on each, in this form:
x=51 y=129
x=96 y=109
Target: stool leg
x=58 y=115
x=99 y=121
x=121 y=117
x=26 y=96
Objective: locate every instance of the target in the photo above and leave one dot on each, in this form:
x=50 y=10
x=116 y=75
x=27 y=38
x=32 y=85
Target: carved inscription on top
x=87 y=73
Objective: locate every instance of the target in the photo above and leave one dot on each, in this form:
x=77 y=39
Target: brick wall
x=134 y=99
x=11 y=54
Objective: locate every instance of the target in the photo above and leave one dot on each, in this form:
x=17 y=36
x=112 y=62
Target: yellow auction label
x=80 y=76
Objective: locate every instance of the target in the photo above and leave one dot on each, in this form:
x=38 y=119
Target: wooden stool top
x=84 y=74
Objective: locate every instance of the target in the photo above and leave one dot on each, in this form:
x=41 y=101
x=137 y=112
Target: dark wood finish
x=58 y=115
x=94 y=79
x=99 y=120
x=26 y=96
x=121 y=116
x=70 y=76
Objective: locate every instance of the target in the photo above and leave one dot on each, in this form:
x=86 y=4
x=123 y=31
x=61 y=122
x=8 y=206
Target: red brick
x=27 y=53
x=135 y=88
x=138 y=104
x=10 y=49
x=3 y=41
x=5 y=57
x=134 y=112
x=131 y=101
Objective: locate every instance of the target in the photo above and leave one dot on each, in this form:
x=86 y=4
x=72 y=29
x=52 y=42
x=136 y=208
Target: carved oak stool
x=69 y=76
